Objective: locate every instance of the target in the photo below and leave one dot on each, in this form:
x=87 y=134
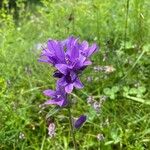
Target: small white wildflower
x=90 y=100
x=96 y=106
x=103 y=98
x=109 y=69
x=100 y=137
x=106 y=123
x=98 y=68
x=21 y=136
x=51 y=130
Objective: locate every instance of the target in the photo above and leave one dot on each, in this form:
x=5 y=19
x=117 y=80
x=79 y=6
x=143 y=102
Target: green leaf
x=133 y=91
x=107 y=91
x=112 y=96
x=115 y=89
x=142 y=89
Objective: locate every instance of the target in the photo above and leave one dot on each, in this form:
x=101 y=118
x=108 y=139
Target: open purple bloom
x=58 y=97
x=70 y=57
x=76 y=55
x=86 y=50
x=69 y=78
x=70 y=52
x=53 y=53
x=79 y=122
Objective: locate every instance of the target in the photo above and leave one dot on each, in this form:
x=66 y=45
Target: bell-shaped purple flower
x=80 y=121
x=69 y=78
x=70 y=57
x=58 y=97
x=53 y=53
x=87 y=50
x=69 y=51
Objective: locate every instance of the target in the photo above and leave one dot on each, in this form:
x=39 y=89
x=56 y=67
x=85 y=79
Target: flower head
x=70 y=57
x=79 y=122
x=53 y=53
x=51 y=130
x=100 y=137
x=58 y=97
x=69 y=81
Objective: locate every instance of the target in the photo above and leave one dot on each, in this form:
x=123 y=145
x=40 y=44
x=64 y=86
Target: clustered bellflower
x=69 y=57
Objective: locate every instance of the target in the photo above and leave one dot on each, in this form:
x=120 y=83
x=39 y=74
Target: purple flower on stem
x=79 y=122
x=59 y=97
x=70 y=80
x=70 y=57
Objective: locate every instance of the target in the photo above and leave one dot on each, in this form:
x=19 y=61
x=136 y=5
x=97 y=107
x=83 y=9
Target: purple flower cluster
x=70 y=57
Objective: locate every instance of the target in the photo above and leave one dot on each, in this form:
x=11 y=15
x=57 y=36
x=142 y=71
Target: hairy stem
x=71 y=128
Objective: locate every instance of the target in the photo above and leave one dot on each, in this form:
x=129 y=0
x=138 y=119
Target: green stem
x=71 y=129
x=126 y=23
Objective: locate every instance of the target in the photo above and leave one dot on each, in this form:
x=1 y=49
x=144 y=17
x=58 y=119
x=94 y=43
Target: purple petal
x=47 y=52
x=78 y=84
x=74 y=53
x=87 y=63
x=62 y=68
x=69 y=88
x=84 y=45
x=49 y=93
x=92 y=49
x=51 y=46
x=59 y=102
x=43 y=60
x=79 y=122
x=64 y=42
x=47 y=59
x=61 y=91
x=60 y=52
x=71 y=41
x=73 y=75
x=61 y=82
x=56 y=49
x=80 y=62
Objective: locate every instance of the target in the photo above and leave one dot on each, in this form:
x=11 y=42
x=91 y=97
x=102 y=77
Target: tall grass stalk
x=126 y=23
x=98 y=37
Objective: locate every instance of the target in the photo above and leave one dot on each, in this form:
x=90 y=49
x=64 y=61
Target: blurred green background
x=121 y=29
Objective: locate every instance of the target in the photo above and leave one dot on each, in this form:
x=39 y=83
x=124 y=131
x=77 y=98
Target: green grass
x=122 y=31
